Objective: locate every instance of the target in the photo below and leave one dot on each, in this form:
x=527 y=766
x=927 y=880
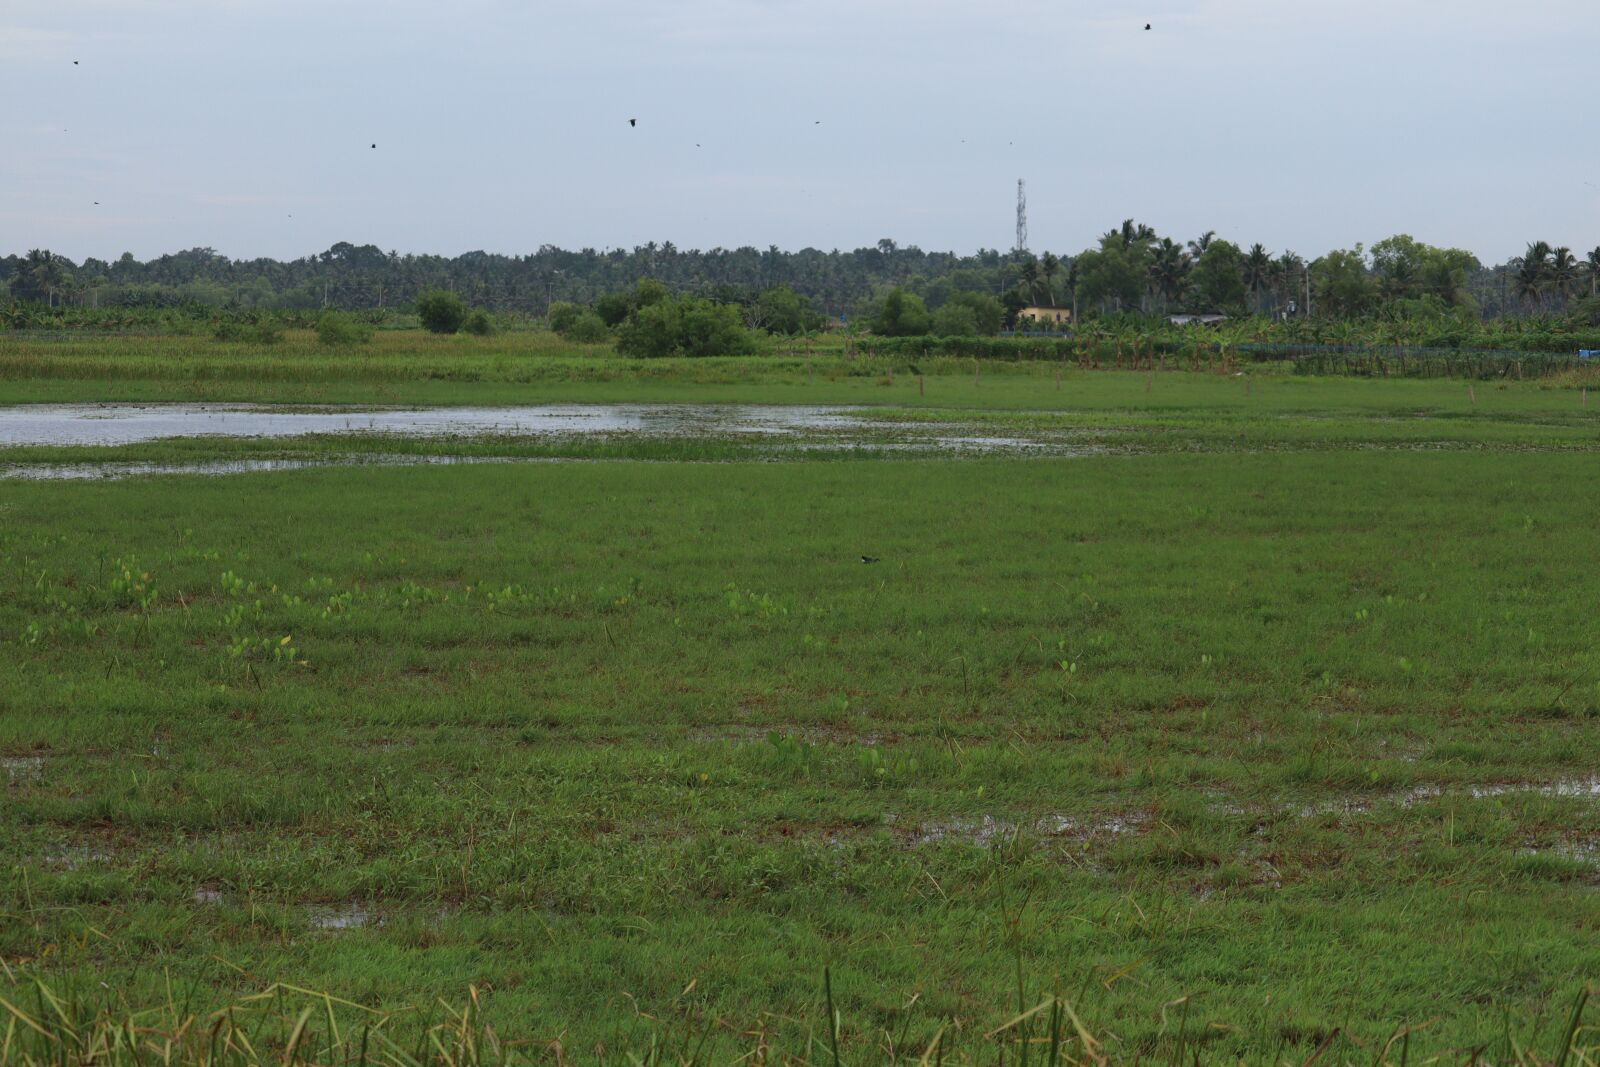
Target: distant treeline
x=1131 y=269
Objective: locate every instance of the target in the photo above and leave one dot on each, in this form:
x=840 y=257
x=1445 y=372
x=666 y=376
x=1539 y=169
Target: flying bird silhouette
x=633 y=122
x=1147 y=25
x=374 y=145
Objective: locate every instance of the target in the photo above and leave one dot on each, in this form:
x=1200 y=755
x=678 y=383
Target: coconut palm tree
x=1257 y=272
x=1028 y=279
x=1563 y=272
x=1129 y=235
x=1532 y=272
x=1593 y=259
x=1169 y=269
x=1072 y=288
x=1049 y=267
x=1198 y=246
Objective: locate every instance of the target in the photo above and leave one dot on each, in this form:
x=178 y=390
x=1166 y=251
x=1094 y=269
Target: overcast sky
x=245 y=125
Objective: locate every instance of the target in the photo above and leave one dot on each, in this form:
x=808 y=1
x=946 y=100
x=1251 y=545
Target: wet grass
x=1246 y=754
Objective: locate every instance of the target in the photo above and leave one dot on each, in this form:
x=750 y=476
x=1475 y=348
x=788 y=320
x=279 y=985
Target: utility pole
x=549 y=286
x=324 y=292
x=1308 y=290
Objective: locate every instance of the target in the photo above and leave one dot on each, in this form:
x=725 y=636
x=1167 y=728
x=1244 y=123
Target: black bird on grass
x=869 y=559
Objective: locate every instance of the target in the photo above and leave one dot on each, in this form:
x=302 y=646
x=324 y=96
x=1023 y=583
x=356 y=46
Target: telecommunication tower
x=1022 y=215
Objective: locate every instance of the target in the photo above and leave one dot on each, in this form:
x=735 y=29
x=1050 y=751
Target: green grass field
x=1265 y=731
x=524 y=368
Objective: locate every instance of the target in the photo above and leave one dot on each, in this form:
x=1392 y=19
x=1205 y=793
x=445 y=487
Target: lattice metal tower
x=1022 y=215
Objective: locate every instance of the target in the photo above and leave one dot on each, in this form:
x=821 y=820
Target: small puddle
x=47 y=472
x=1356 y=804
x=345 y=917
x=23 y=768
x=76 y=856
x=986 y=830
x=1584 y=852
x=1561 y=787
x=739 y=734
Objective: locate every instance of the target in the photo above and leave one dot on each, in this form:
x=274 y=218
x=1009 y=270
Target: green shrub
x=441 y=311
x=690 y=326
x=336 y=328
x=903 y=314
x=988 y=314
x=955 y=320
x=478 y=324
x=587 y=328
x=782 y=310
x=561 y=316
x=615 y=308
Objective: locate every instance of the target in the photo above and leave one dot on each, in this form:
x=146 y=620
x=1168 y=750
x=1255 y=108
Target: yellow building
x=1044 y=314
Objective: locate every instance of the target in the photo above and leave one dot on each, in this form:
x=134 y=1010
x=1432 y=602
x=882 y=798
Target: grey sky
x=502 y=125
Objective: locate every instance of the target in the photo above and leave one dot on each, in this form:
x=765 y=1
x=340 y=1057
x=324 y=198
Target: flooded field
x=458 y=435
x=122 y=424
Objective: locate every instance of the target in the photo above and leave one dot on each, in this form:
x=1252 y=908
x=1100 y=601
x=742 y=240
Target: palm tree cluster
x=1168 y=268
x=1545 y=278
x=1036 y=279
x=38 y=275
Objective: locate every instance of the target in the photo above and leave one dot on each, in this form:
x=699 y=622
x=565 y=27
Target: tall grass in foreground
x=286 y=1024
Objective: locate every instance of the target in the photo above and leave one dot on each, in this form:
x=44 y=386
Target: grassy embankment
x=405 y=367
